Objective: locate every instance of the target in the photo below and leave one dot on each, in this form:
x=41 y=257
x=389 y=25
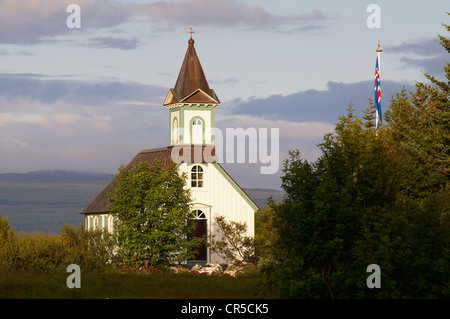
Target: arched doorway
x=200 y=231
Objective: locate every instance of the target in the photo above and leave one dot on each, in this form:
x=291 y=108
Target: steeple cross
x=188 y=30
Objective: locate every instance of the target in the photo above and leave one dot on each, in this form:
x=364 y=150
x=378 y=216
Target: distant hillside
x=260 y=195
x=54 y=176
x=44 y=200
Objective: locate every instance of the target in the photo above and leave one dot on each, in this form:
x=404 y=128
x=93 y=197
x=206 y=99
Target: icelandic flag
x=377 y=93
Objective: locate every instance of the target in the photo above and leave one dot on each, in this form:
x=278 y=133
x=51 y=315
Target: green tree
x=418 y=123
x=234 y=246
x=264 y=234
x=320 y=217
x=152 y=207
x=346 y=211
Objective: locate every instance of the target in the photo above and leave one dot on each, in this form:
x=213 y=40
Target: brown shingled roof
x=100 y=202
x=182 y=153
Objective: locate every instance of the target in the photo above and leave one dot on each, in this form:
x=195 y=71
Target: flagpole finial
x=379 y=47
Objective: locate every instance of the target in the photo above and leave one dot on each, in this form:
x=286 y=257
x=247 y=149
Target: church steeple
x=191 y=85
x=191 y=103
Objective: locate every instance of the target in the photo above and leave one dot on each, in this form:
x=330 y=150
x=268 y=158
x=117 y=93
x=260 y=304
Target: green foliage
x=370 y=198
x=91 y=250
x=264 y=234
x=40 y=252
x=153 y=207
x=346 y=211
x=6 y=232
x=234 y=246
x=418 y=124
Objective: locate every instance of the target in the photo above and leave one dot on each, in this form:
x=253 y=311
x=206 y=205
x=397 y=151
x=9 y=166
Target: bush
x=91 y=250
x=234 y=246
x=49 y=253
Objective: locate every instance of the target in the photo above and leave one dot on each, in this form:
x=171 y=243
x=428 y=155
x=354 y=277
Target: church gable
x=199 y=97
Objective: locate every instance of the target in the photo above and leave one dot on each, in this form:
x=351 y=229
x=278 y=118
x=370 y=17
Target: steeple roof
x=191 y=85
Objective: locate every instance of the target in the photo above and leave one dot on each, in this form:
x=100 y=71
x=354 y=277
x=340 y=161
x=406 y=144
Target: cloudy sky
x=90 y=98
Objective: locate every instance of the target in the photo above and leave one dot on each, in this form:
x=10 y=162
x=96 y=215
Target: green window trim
x=191 y=124
x=175 y=129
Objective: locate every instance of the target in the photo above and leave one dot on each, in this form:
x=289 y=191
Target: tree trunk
x=322 y=269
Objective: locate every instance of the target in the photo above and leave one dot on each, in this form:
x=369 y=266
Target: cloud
x=229 y=13
x=289 y=130
x=94 y=126
x=425 y=54
x=25 y=52
x=315 y=105
x=94 y=93
x=115 y=43
x=421 y=47
x=26 y=22
x=432 y=66
x=21 y=52
x=34 y=21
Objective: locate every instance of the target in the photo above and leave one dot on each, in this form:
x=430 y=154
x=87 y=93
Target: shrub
x=234 y=246
x=40 y=252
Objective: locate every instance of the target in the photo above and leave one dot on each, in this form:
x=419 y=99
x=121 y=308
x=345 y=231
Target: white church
x=191 y=104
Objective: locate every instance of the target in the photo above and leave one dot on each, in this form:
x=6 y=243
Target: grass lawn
x=129 y=286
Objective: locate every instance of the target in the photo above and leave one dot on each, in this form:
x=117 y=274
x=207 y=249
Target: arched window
x=175 y=131
x=197 y=176
x=198 y=214
x=197 y=131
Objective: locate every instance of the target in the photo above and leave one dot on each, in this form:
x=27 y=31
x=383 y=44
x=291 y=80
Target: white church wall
x=225 y=199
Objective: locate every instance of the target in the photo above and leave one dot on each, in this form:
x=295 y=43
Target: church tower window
x=175 y=133
x=197 y=131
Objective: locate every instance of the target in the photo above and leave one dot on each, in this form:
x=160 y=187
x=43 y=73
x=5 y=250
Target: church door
x=200 y=231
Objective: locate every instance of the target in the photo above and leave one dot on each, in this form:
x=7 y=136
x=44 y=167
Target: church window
x=175 y=131
x=197 y=176
x=110 y=223
x=197 y=131
x=198 y=214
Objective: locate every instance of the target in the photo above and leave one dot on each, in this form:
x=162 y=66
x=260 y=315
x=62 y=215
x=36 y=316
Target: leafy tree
x=418 y=124
x=264 y=234
x=234 y=246
x=152 y=208
x=319 y=220
x=346 y=211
